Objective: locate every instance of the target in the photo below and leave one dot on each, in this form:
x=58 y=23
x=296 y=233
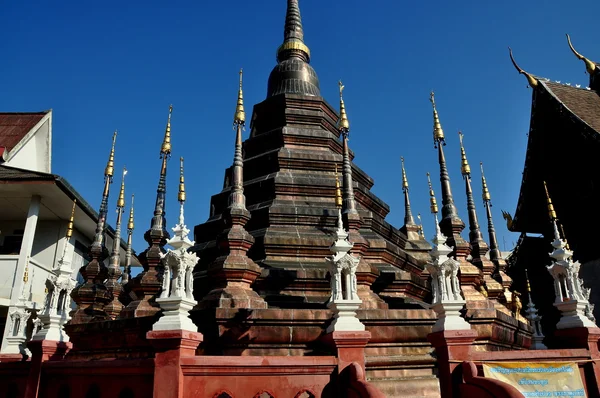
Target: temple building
x=35 y=232
x=563 y=136
x=296 y=285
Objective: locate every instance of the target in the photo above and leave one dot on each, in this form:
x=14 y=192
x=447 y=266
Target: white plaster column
x=14 y=331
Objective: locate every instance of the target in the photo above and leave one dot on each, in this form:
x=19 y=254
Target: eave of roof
x=581 y=104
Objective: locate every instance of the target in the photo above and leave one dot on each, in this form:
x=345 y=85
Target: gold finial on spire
x=527 y=279
x=110 y=165
x=26 y=273
x=343 y=122
x=533 y=82
x=486 y=194
x=404 y=178
x=121 y=200
x=551 y=211
x=239 y=117
x=433 y=203
x=465 y=169
x=130 y=224
x=71 y=220
x=421 y=233
x=562 y=231
x=589 y=65
x=338 y=190
x=165 y=148
x=181 y=194
x=438 y=132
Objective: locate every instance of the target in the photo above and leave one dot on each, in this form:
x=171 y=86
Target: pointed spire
x=487 y=201
x=343 y=122
x=239 y=117
x=293 y=35
x=158 y=221
x=344 y=129
x=421 y=232
x=408 y=217
x=475 y=237
x=71 y=221
x=338 y=191
x=432 y=202
x=449 y=212
x=438 y=132
x=533 y=82
x=590 y=66
x=113 y=309
x=465 y=169
x=181 y=193
x=237 y=199
x=108 y=178
x=130 y=226
x=552 y=214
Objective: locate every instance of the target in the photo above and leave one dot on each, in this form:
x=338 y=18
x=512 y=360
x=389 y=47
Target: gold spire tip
x=343 y=122
x=181 y=194
x=486 y=193
x=121 y=200
x=239 y=117
x=432 y=202
x=527 y=280
x=465 y=169
x=110 y=165
x=130 y=224
x=533 y=82
x=338 y=190
x=438 y=132
x=404 y=177
x=590 y=66
x=71 y=221
x=551 y=211
x=165 y=148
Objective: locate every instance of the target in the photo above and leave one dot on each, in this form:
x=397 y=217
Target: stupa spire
x=109 y=171
x=475 y=236
x=293 y=35
x=113 y=309
x=128 y=253
x=237 y=199
x=487 y=201
x=408 y=217
x=293 y=73
x=344 y=129
x=158 y=221
x=239 y=117
x=449 y=212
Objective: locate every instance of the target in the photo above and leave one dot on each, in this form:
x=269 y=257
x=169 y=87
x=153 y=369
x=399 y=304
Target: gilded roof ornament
x=165 y=149
x=533 y=82
x=527 y=280
x=110 y=165
x=551 y=211
x=421 y=233
x=71 y=221
x=485 y=192
x=438 y=132
x=130 y=224
x=432 y=202
x=121 y=200
x=343 y=123
x=465 y=169
x=181 y=193
x=589 y=65
x=404 y=178
x=338 y=190
x=239 y=117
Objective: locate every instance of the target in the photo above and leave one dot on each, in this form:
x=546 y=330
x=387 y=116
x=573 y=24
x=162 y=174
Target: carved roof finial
x=590 y=66
x=239 y=116
x=533 y=82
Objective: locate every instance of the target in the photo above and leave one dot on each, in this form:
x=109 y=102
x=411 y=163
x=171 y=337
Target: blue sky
x=103 y=66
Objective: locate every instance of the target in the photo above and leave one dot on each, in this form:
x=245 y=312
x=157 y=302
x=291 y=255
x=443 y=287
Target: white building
x=35 y=207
